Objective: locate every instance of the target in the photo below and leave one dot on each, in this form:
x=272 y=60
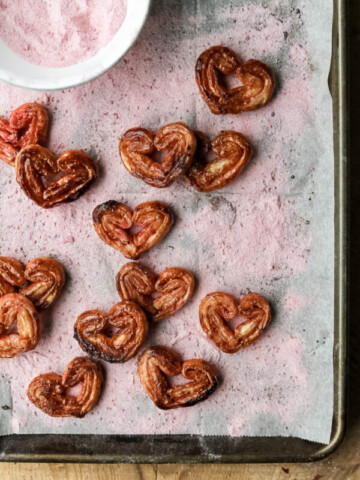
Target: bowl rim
x=50 y=79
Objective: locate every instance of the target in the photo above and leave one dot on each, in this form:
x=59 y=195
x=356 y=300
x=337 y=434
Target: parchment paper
x=270 y=231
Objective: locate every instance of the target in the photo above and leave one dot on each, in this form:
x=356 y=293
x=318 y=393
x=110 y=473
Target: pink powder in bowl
x=59 y=33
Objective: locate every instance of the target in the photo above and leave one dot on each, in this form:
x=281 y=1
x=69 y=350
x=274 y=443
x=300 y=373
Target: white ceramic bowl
x=17 y=71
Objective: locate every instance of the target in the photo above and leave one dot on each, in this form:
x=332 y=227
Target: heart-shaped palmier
x=233 y=153
x=156 y=363
x=257 y=81
x=16 y=310
x=72 y=174
x=174 y=288
x=11 y=275
x=218 y=308
x=41 y=282
x=130 y=323
x=46 y=279
x=48 y=391
x=112 y=222
x=27 y=125
x=138 y=145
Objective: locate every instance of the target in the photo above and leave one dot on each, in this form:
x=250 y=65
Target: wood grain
x=60 y=471
x=329 y=470
x=344 y=464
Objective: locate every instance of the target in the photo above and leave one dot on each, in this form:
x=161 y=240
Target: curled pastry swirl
x=16 y=309
x=46 y=279
x=233 y=153
x=41 y=282
x=127 y=317
x=34 y=162
x=138 y=144
x=48 y=391
x=218 y=308
x=158 y=362
x=11 y=275
x=257 y=81
x=112 y=221
x=27 y=125
x=174 y=285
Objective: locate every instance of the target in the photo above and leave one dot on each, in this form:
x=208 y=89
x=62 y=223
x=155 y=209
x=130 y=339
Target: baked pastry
x=257 y=80
x=48 y=391
x=45 y=280
x=138 y=145
x=174 y=288
x=129 y=321
x=12 y=275
x=41 y=281
x=218 y=308
x=232 y=151
x=33 y=163
x=112 y=222
x=28 y=125
x=16 y=309
x=158 y=362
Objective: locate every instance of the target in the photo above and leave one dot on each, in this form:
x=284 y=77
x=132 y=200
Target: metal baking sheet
x=198 y=449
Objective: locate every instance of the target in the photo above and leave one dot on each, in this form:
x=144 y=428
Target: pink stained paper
x=269 y=231
x=61 y=32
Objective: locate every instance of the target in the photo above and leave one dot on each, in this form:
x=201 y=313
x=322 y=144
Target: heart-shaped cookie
x=16 y=309
x=156 y=363
x=46 y=279
x=41 y=282
x=257 y=81
x=35 y=163
x=27 y=125
x=218 y=308
x=174 y=287
x=138 y=145
x=126 y=317
x=112 y=222
x=48 y=391
x=233 y=153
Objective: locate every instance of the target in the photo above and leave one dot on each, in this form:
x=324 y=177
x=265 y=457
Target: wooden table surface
x=344 y=464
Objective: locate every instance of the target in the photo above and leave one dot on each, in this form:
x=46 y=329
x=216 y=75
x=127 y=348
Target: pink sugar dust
x=62 y=32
